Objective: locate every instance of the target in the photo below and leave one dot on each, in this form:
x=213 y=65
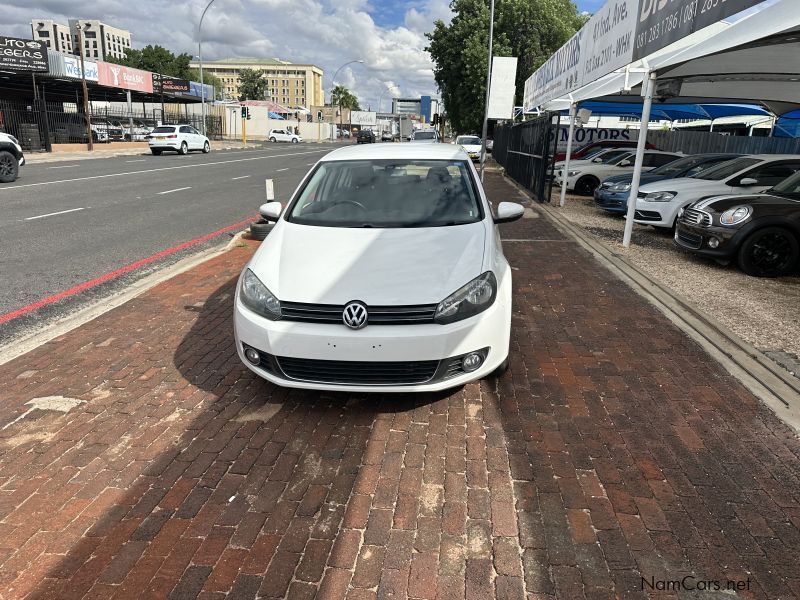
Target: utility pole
x=85 y=92
x=488 y=85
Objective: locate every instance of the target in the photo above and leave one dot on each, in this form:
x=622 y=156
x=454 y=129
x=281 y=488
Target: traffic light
x=435 y=120
x=244 y=112
x=248 y=113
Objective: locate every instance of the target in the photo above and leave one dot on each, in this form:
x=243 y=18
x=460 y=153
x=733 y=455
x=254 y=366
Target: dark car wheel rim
x=6 y=166
x=771 y=252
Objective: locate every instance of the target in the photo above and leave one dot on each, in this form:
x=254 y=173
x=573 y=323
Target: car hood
x=334 y=265
x=686 y=184
x=628 y=177
x=723 y=203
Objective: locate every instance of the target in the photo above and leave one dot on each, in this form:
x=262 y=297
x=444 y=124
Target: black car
x=365 y=136
x=761 y=232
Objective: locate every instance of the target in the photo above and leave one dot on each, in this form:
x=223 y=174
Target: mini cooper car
x=761 y=232
x=11 y=158
x=384 y=272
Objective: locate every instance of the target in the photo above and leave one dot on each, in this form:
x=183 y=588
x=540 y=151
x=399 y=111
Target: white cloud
x=326 y=33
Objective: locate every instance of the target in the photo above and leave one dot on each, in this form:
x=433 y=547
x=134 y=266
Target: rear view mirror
x=508 y=211
x=271 y=211
x=748 y=181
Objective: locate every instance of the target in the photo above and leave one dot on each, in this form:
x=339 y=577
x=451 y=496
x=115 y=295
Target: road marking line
x=279 y=170
x=223 y=162
x=242 y=177
x=138 y=160
x=116 y=273
x=175 y=190
x=63 y=167
x=61 y=212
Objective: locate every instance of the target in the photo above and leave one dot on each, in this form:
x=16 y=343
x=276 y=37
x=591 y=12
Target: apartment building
x=288 y=84
x=100 y=41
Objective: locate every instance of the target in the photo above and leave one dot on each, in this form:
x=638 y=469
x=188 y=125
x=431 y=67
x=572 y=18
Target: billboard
x=587 y=135
x=124 y=77
x=363 y=118
x=72 y=68
x=502 y=87
x=17 y=54
x=174 y=85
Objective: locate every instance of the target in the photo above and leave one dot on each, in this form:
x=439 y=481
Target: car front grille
x=358 y=372
x=693 y=216
x=378 y=315
x=688 y=239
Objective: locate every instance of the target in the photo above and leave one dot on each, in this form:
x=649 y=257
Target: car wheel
x=184 y=148
x=294 y=140
x=273 y=140
x=260 y=229
x=586 y=185
x=769 y=252
x=156 y=152
x=9 y=167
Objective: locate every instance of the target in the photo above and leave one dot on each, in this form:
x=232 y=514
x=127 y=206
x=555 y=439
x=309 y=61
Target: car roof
x=774 y=156
x=402 y=151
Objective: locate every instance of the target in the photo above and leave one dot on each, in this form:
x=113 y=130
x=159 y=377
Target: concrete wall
x=258 y=127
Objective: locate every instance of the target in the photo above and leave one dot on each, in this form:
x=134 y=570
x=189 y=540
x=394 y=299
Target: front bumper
x=489 y=330
x=615 y=202
x=695 y=238
x=658 y=214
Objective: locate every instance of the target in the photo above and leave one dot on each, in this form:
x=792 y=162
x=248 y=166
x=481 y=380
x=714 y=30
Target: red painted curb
x=115 y=273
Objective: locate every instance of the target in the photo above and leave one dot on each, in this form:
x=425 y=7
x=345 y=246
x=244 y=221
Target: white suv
x=283 y=135
x=177 y=138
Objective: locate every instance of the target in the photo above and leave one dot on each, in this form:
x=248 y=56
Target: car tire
x=156 y=152
x=273 y=140
x=586 y=185
x=184 y=149
x=294 y=140
x=260 y=229
x=9 y=167
x=769 y=252
x=206 y=148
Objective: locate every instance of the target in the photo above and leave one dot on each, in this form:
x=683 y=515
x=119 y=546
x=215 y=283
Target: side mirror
x=624 y=163
x=508 y=211
x=748 y=181
x=271 y=211
x=597 y=160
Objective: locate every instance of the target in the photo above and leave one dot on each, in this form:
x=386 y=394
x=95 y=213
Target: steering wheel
x=358 y=204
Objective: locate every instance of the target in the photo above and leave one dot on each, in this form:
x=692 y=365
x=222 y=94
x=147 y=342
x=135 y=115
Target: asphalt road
x=65 y=223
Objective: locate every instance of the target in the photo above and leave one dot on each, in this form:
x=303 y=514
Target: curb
x=765 y=379
x=25 y=344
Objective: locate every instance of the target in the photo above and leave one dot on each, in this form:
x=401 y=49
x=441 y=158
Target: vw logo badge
x=355 y=315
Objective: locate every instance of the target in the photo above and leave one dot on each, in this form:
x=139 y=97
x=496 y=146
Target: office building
x=100 y=41
x=53 y=35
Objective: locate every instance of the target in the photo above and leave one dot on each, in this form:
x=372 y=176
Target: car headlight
x=735 y=215
x=469 y=300
x=258 y=298
x=621 y=187
x=660 y=196
x=573 y=173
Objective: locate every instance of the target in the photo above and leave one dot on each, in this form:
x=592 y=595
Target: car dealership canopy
x=677 y=52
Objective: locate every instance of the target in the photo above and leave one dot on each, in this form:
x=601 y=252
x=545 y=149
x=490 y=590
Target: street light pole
x=333 y=85
x=380 y=99
x=200 y=58
x=488 y=83
x=85 y=92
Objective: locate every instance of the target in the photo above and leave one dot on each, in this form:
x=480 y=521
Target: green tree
x=341 y=96
x=252 y=84
x=531 y=30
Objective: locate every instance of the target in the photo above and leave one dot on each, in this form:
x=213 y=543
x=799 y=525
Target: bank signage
x=72 y=68
x=22 y=55
x=126 y=78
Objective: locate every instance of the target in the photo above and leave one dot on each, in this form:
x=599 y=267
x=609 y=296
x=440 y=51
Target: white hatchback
x=385 y=273
x=177 y=138
x=283 y=135
x=585 y=177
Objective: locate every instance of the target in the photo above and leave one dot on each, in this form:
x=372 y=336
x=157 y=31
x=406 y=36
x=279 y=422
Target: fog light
x=251 y=354
x=713 y=242
x=471 y=361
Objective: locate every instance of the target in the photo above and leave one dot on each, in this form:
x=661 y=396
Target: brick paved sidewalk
x=613 y=450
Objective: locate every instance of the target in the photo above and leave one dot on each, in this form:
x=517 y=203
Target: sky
x=388 y=35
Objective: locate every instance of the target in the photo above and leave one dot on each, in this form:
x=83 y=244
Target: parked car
x=365 y=136
x=407 y=291
x=11 y=158
x=113 y=133
x=658 y=203
x=387 y=136
x=587 y=148
x=342 y=133
x=761 y=232
x=425 y=136
x=471 y=145
x=74 y=132
x=612 y=194
x=585 y=177
x=137 y=133
x=177 y=138
x=598 y=155
x=283 y=135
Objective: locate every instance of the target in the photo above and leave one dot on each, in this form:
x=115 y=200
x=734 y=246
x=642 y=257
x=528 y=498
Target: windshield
x=615 y=160
x=726 y=169
x=388 y=193
x=424 y=135
x=609 y=157
x=678 y=167
x=789 y=186
x=469 y=140
x=164 y=130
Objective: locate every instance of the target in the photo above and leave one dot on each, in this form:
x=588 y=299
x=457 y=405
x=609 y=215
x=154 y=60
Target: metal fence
x=38 y=124
x=526 y=151
x=700 y=142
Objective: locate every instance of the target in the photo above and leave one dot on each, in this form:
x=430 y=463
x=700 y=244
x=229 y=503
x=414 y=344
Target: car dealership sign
x=22 y=55
x=124 y=77
x=620 y=33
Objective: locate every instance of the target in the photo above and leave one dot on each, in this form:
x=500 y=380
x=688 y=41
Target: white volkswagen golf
x=385 y=272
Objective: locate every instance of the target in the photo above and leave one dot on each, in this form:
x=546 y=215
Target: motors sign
x=662 y=22
x=22 y=55
x=124 y=77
